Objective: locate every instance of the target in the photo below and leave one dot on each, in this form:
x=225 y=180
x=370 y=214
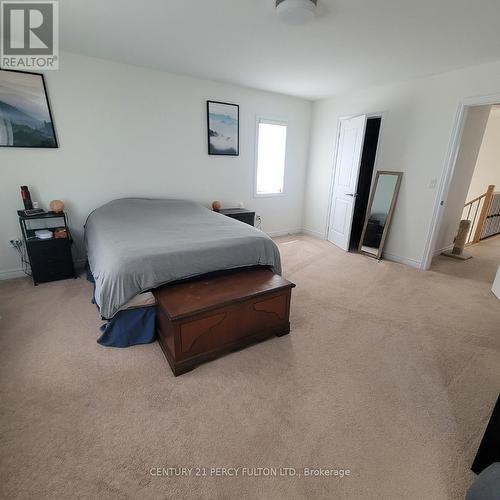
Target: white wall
x=416 y=131
x=472 y=137
x=487 y=169
x=130 y=131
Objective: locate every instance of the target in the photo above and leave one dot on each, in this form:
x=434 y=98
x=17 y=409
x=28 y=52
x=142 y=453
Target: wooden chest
x=201 y=319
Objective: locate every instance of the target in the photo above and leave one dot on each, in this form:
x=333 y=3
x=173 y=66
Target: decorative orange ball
x=57 y=206
x=216 y=206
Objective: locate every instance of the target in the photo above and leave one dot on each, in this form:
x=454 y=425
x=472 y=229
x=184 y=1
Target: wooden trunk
x=201 y=319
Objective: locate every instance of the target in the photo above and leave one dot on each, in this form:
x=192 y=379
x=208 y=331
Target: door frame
x=378 y=114
x=449 y=170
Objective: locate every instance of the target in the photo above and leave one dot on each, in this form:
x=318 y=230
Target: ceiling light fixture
x=296 y=11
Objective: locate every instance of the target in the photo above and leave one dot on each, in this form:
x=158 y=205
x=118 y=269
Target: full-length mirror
x=380 y=209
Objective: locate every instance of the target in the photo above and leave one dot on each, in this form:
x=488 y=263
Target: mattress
x=145 y=299
x=135 y=245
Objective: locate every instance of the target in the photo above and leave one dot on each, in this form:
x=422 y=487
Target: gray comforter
x=136 y=244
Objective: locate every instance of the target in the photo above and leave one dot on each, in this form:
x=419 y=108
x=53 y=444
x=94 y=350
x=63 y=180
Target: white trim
x=271 y=121
x=383 y=116
x=332 y=175
x=317 y=235
x=441 y=250
x=313 y=234
x=274 y=121
x=290 y=232
x=482 y=100
x=11 y=274
x=444 y=186
x=402 y=260
x=449 y=169
x=268 y=195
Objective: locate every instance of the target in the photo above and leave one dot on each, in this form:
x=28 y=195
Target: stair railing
x=485 y=212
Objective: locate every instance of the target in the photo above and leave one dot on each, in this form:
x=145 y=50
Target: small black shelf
x=46 y=215
x=241 y=214
x=50 y=259
x=32 y=238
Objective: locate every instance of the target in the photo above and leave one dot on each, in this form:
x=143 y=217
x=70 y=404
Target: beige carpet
x=389 y=371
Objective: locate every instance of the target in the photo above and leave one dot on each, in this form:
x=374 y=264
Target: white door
x=348 y=160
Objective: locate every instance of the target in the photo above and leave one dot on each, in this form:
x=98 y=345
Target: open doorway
x=364 y=180
x=473 y=197
x=482 y=205
x=355 y=158
x=474 y=192
x=432 y=246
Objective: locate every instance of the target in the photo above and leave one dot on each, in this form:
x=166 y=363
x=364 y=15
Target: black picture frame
x=234 y=114
x=55 y=143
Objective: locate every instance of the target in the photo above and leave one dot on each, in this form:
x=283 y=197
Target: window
x=271 y=152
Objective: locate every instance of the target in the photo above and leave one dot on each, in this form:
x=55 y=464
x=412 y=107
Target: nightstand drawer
x=52 y=272
x=51 y=260
x=246 y=218
x=54 y=249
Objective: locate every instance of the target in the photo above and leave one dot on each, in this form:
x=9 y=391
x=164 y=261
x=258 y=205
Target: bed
x=135 y=245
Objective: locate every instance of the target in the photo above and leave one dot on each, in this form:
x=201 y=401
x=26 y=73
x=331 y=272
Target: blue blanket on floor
x=129 y=327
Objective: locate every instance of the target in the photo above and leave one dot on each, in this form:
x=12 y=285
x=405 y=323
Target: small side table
x=50 y=259
x=241 y=214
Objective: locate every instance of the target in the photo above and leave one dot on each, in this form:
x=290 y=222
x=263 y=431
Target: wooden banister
x=484 y=212
x=477 y=198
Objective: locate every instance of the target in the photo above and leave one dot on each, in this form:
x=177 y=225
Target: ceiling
x=352 y=44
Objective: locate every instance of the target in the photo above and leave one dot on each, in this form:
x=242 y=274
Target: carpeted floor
x=389 y=372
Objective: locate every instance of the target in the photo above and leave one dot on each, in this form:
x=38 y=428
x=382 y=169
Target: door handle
x=352 y=194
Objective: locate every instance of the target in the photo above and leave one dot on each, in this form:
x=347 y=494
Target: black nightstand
x=50 y=259
x=241 y=214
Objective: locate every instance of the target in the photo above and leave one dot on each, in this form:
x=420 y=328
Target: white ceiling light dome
x=296 y=11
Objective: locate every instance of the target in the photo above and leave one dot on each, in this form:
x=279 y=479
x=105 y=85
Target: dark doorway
x=365 y=180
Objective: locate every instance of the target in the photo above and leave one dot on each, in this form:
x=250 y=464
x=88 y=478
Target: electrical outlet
x=14 y=242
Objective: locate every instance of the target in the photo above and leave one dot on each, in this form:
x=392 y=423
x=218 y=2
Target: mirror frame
x=388 y=220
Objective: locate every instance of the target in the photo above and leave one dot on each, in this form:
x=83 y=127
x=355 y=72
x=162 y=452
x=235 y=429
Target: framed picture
x=25 y=116
x=223 y=120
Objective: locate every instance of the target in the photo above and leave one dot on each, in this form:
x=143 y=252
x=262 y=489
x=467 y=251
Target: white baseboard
x=275 y=234
x=388 y=256
x=11 y=274
x=313 y=234
x=445 y=249
x=307 y=232
x=402 y=260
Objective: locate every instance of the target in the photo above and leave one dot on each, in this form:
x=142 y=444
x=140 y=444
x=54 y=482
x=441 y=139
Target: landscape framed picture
x=25 y=117
x=223 y=121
